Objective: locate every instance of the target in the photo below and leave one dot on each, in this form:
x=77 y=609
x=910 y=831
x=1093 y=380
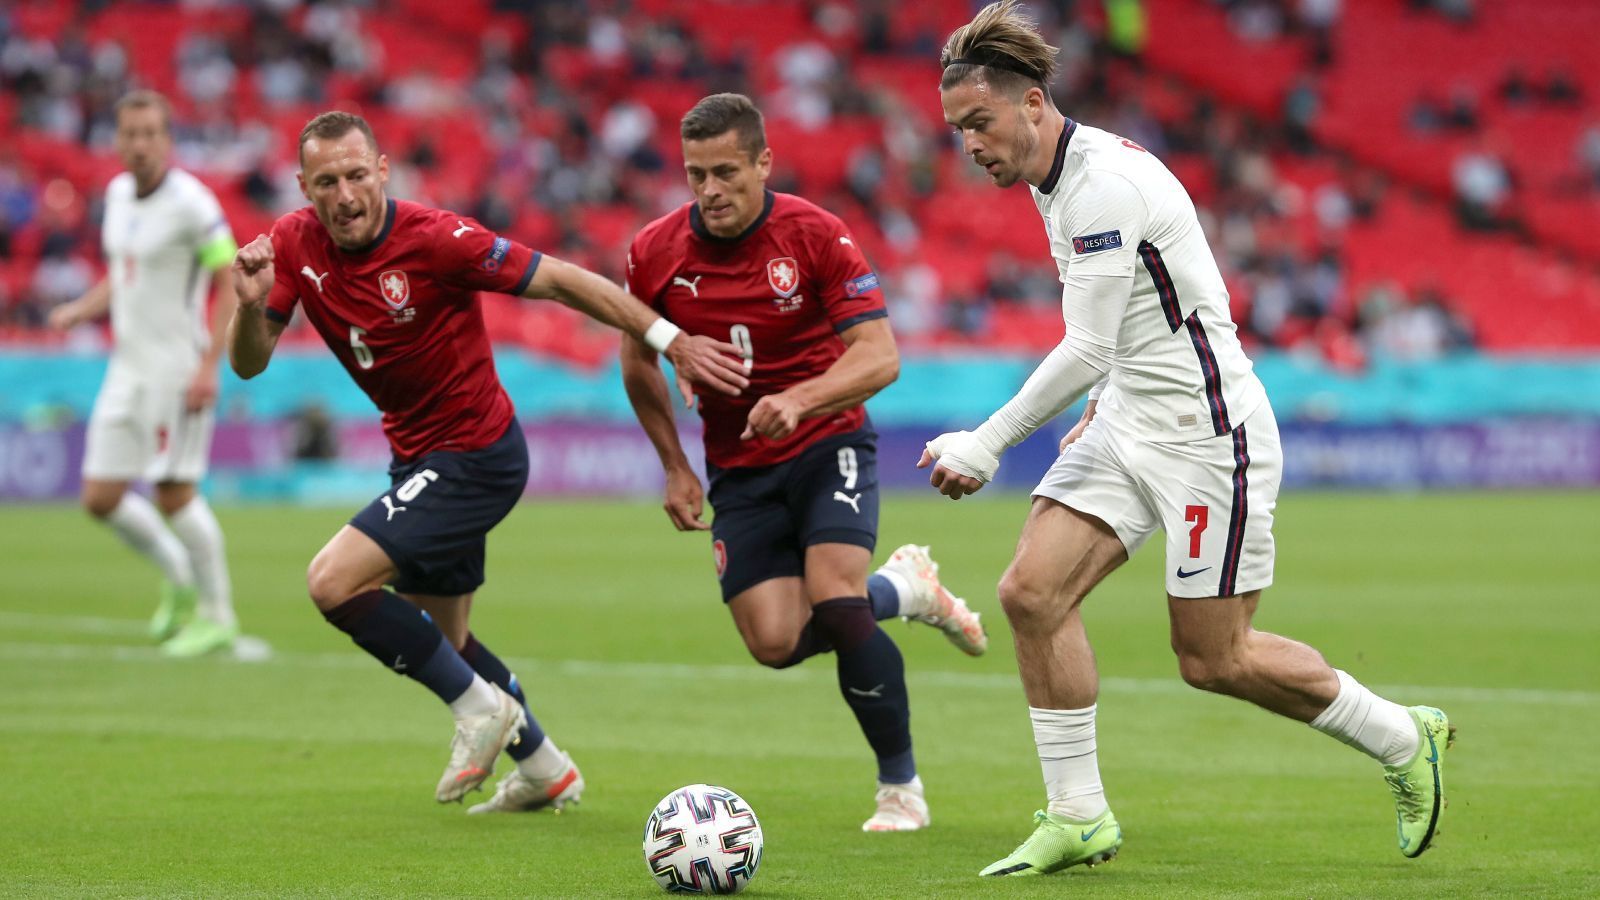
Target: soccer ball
x=702 y=839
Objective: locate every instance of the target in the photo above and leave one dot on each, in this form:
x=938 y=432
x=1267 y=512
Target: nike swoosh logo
x=1092 y=832
x=1183 y=574
x=1433 y=751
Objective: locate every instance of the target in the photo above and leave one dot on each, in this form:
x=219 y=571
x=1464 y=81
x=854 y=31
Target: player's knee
x=1215 y=673
x=1026 y=602
x=327 y=587
x=772 y=651
x=100 y=503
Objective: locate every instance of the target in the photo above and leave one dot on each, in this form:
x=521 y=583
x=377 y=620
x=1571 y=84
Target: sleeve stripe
x=274 y=315
x=857 y=319
x=527 y=276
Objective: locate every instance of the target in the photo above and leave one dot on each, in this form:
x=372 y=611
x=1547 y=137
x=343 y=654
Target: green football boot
x=199 y=637
x=1418 y=786
x=173 y=612
x=1059 y=843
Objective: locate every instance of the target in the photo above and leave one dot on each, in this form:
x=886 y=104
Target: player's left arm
x=216 y=254
x=1096 y=290
x=870 y=363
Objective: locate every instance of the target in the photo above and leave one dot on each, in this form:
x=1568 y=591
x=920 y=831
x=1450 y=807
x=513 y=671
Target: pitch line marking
x=22 y=650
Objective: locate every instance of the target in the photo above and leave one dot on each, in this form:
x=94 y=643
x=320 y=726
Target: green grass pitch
x=313 y=774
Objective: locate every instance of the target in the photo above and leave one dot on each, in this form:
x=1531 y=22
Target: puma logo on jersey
x=315 y=278
x=853 y=502
x=693 y=286
x=462 y=230
x=389 y=505
x=846 y=241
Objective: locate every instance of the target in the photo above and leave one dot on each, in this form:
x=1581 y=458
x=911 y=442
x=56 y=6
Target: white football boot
x=478 y=740
x=901 y=807
x=932 y=603
x=519 y=793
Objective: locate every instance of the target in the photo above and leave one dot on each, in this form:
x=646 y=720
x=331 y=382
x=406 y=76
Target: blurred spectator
x=1300 y=108
x=1319 y=18
x=314 y=435
x=1418 y=328
x=1588 y=152
x=1483 y=189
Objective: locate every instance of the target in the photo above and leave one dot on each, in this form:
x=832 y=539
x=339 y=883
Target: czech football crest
x=784 y=275
x=719 y=552
x=395 y=287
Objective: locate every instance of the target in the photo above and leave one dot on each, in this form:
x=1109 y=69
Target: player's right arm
x=94 y=304
x=251 y=335
x=1089 y=407
x=647 y=391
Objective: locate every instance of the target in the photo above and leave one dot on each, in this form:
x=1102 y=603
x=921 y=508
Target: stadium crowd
x=558 y=125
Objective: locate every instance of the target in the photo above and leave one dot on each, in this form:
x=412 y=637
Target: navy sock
x=884 y=598
x=810 y=644
x=398 y=635
x=872 y=678
x=495 y=672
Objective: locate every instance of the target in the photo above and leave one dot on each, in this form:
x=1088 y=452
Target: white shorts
x=1214 y=498
x=140 y=430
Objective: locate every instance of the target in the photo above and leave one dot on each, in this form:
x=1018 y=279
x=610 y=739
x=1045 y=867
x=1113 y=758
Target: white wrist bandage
x=660 y=334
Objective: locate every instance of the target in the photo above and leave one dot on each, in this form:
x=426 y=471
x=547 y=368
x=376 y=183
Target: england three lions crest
x=783 y=274
x=395 y=287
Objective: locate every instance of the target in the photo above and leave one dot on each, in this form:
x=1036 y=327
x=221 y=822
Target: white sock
x=546 y=762
x=1065 y=738
x=136 y=521
x=197 y=528
x=479 y=699
x=902 y=589
x=1377 y=727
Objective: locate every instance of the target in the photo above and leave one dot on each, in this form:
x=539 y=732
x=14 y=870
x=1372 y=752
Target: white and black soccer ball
x=703 y=839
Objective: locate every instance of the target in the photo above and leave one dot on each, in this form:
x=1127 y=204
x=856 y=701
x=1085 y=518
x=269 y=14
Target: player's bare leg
x=1061 y=556
x=1219 y=650
x=773 y=618
x=215 y=626
x=137 y=522
x=346 y=582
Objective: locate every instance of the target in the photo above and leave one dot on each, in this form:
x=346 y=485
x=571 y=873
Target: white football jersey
x=1111 y=208
x=159 y=284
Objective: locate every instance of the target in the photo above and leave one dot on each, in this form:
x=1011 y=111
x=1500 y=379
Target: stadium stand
x=1326 y=174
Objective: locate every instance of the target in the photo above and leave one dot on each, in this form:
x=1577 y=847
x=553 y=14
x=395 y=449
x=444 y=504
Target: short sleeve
x=285 y=294
x=636 y=276
x=213 y=239
x=471 y=256
x=1105 y=223
x=847 y=285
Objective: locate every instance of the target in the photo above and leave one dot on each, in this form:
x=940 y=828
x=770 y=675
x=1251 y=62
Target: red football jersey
x=402 y=315
x=782 y=291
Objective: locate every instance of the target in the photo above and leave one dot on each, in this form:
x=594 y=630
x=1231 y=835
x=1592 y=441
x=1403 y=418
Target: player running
x=792 y=461
x=1180 y=438
x=391 y=287
x=164 y=237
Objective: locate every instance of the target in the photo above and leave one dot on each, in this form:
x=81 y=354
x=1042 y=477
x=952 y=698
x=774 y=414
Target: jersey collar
x=698 y=225
x=1050 y=181
x=383 y=233
x=153 y=188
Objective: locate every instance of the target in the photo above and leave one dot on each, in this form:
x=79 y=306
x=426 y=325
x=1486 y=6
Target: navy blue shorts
x=766 y=516
x=433 y=520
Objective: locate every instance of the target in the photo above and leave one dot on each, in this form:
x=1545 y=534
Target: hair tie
x=997 y=63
